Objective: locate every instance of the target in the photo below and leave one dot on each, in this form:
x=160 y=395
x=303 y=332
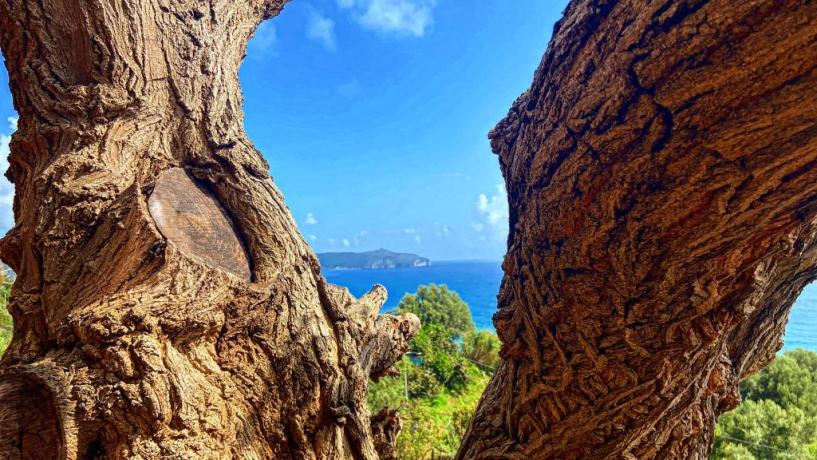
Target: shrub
x=482 y=347
x=777 y=419
x=436 y=304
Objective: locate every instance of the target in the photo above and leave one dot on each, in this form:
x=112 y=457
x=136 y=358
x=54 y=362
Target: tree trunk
x=663 y=220
x=166 y=305
x=661 y=175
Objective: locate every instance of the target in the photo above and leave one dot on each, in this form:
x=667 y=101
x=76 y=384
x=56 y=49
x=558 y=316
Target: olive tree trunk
x=166 y=305
x=660 y=173
x=662 y=179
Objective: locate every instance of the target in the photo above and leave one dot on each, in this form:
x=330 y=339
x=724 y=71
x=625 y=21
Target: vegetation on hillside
x=443 y=377
x=5 y=317
x=778 y=418
x=451 y=362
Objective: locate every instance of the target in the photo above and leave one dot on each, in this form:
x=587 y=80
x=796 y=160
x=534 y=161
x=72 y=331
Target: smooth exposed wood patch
x=191 y=217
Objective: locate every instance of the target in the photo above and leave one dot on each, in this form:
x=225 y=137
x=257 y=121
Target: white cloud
x=494 y=209
x=409 y=17
x=345 y=243
x=418 y=239
x=492 y=214
x=409 y=231
x=263 y=42
x=6 y=187
x=310 y=219
x=322 y=29
x=313 y=238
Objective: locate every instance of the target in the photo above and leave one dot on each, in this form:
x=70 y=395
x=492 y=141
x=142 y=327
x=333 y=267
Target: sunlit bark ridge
x=662 y=179
x=166 y=305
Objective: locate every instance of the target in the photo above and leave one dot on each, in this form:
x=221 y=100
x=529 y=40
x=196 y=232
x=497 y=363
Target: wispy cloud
x=443 y=231
x=359 y=237
x=322 y=30
x=264 y=41
x=310 y=219
x=6 y=187
x=492 y=214
x=346 y=243
x=408 y=17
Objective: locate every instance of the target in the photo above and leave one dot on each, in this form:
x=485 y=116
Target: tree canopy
x=777 y=419
x=436 y=304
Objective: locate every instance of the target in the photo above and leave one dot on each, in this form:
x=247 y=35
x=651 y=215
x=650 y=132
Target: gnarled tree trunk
x=660 y=176
x=166 y=305
x=662 y=179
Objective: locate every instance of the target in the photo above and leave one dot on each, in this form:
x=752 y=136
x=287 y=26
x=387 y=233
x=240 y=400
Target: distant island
x=380 y=258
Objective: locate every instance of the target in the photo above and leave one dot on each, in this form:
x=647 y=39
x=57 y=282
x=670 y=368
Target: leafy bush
x=790 y=381
x=436 y=304
x=482 y=347
x=777 y=419
x=440 y=384
x=6 y=326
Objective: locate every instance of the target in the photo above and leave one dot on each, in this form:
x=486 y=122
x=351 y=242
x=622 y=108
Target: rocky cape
x=380 y=258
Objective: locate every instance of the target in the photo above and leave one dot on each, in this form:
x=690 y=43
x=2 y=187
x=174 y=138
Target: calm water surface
x=478 y=284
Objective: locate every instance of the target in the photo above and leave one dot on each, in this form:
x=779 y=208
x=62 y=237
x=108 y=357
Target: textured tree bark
x=166 y=305
x=661 y=175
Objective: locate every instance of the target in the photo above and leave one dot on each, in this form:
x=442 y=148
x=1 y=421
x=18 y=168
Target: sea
x=477 y=282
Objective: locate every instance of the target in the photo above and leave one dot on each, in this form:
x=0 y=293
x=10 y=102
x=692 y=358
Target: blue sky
x=373 y=115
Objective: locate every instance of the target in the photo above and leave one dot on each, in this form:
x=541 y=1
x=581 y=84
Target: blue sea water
x=801 y=332
x=478 y=284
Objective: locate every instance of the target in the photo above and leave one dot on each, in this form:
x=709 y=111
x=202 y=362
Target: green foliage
x=6 y=326
x=422 y=381
x=777 y=420
x=430 y=424
x=443 y=383
x=438 y=354
x=737 y=452
x=388 y=391
x=790 y=381
x=482 y=347
x=436 y=304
